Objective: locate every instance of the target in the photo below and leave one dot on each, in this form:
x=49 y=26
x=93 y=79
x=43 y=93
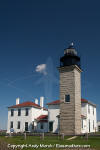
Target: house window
x=89 y=125
x=26 y=126
x=98 y=128
x=82 y=123
x=19 y=112
x=93 y=124
x=26 y=112
x=11 y=124
x=67 y=98
x=51 y=126
x=33 y=125
x=93 y=110
x=41 y=125
x=12 y=112
x=89 y=109
x=18 y=125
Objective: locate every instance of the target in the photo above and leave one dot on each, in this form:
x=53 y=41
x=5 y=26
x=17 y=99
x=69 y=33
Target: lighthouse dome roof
x=70 y=50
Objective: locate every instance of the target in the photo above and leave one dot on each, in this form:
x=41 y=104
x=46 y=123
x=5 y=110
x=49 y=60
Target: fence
x=47 y=134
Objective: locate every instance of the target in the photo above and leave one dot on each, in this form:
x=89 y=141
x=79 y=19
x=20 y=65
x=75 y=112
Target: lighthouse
x=70 y=92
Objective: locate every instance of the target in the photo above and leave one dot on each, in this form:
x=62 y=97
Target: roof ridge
x=26 y=104
x=82 y=101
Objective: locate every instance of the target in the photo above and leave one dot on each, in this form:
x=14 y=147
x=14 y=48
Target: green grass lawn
x=94 y=142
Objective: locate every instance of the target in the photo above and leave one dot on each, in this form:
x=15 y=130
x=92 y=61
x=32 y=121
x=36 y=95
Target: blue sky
x=37 y=32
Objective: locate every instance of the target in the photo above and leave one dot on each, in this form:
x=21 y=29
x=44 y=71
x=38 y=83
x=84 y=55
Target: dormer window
x=12 y=112
x=19 y=112
x=26 y=112
x=67 y=98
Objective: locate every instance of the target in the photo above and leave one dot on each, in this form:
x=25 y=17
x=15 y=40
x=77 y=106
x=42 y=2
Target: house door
x=50 y=126
x=26 y=126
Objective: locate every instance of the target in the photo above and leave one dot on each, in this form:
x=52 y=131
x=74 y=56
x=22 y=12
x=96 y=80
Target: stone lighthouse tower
x=70 y=92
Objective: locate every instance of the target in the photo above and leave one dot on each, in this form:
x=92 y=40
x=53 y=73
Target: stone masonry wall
x=70 y=113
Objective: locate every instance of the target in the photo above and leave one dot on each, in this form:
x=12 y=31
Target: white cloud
x=41 y=69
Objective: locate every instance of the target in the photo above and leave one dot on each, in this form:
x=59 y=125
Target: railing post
x=58 y=135
x=43 y=136
x=63 y=136
x=25 y=135
x=10 y=134
x=87 y=136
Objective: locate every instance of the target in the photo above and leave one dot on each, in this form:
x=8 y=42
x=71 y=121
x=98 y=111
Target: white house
x=27 y=116
x=32 y=117
x=53 y=116
x=88 y=116
x=89 y=123
x=98 y=125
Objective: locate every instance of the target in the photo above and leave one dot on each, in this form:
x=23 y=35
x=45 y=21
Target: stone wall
x=70 y=113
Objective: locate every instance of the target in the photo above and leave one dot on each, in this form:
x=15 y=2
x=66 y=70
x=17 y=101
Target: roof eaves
x=91 y=104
